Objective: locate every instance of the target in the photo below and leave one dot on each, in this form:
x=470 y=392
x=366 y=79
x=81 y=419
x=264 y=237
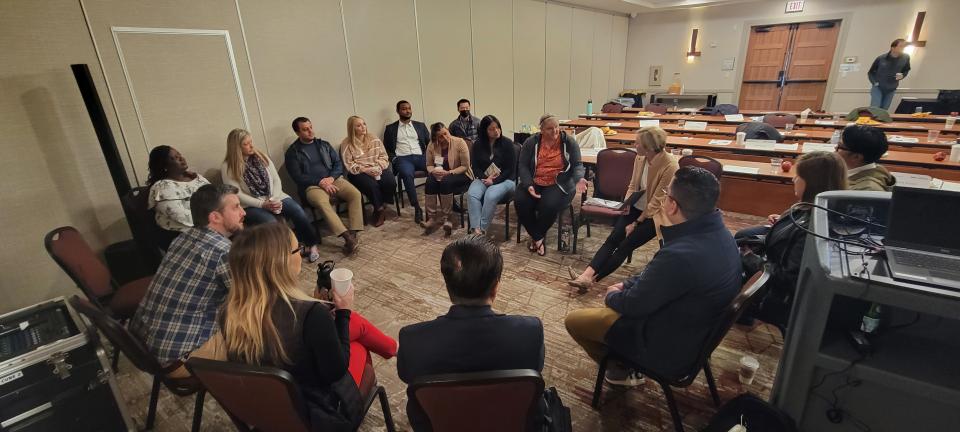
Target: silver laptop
x=923 y=236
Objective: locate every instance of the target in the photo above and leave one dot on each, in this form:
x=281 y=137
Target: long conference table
x=749 y=174
x=908 y=143
x=815 y=115
x=810 y=123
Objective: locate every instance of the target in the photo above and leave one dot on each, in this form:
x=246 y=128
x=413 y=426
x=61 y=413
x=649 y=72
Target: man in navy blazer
x=471 y=337
x=406 y=143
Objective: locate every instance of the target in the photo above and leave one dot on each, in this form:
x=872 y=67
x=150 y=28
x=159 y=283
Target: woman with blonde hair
x=267 y=320
x=255 y=175
x=368 y=166
x=653 y=171
x=448 y=173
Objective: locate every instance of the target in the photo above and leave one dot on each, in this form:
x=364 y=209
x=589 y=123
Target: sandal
x=542 y=249
x=531 y=247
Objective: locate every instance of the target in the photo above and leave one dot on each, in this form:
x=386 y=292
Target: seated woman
x=325 y=352
x=367 y=165
x=652 y=172
x=448 y=173
x=549 y=172
x=782 y=243
x=261 y=194
x=492 y=150
x=171 y=186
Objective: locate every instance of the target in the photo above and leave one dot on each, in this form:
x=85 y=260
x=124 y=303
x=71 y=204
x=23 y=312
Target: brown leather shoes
x=378 y=218
x=350 y=243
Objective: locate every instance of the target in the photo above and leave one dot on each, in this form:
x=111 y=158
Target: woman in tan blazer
x=448 y=173
x=652 y=172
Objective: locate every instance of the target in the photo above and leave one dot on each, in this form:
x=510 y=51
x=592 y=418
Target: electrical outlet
x=850 y=59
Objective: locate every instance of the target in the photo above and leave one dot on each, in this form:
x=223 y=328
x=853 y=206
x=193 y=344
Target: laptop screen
x=925 y=219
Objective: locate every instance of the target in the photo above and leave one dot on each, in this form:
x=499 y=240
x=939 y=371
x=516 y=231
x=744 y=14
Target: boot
x=445 y=213
x=378 y=218
x=350 y=243
x=433 y=221
x=417 y=215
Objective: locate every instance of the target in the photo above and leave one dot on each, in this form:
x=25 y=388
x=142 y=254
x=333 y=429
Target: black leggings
x=619 y=245
x=376 y=191
x=538 y=215
x=450 y=184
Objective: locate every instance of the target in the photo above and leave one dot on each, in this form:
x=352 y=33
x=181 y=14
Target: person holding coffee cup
x=325 y=352
x=448 y=173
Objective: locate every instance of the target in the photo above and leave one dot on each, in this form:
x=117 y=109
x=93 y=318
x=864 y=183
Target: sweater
x=884 y=69
x=872 y=179
x=246 y=199
x=504 y=155
x=662 y=168
x=572 y=170
x=458 y=156
x=668 y=310
x=370 y=153
x=307 y=164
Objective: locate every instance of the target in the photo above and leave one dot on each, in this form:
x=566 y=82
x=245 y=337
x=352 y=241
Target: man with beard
x=406 y=143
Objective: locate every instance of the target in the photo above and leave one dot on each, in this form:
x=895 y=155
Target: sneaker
x=618 y=375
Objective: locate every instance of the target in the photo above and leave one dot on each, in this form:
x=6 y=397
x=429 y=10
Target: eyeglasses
x=299 y=249
x=667 y=193
x=840 y=147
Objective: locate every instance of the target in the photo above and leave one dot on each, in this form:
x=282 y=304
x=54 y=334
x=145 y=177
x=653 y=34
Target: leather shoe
x=417 y=215
x=350 y=243
x=378 y=218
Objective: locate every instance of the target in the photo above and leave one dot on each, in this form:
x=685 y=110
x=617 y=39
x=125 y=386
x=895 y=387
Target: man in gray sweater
x=886 y=72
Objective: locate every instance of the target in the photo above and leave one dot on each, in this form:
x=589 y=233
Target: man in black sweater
x=471 y=337
x=661 y=317
x=886 y=72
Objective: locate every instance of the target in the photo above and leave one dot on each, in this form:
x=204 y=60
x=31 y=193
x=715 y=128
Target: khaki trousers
x=347 y=193
x=588 y=327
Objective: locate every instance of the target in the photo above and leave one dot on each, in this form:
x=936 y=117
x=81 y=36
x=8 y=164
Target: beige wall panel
x=189 y=110
x=600 y=76
x=300 y=70
x=618 y=55
x=445 y=54
x=171 y=14
x=492 y=59
x=53 y=171
x=581 y=58
x=529 y=30
x=382 y=41
x=557 y=75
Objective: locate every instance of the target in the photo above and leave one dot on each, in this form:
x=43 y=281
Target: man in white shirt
x=406 y=143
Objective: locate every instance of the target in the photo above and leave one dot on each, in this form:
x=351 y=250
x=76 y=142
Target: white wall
x=183 y=73
x=867 y=29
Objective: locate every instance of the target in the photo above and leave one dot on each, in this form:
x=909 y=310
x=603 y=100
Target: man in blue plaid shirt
x=178 y=313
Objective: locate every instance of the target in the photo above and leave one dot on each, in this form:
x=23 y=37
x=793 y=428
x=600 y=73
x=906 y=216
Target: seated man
x=178 y=313
x=861 y=147
x=465 y=126
x=661 y=317
x=316 y=168
x=471 y=337
x=406 y=143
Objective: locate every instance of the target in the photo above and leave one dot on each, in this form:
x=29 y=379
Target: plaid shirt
x=178 y=313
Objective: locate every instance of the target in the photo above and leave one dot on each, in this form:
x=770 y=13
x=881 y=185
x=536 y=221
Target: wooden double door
x=787 y=66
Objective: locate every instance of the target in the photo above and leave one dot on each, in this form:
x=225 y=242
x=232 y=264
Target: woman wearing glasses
x=267 y=320
x=653 y=171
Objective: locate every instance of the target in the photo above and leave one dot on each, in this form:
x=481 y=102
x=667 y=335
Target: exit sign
x=794 y=6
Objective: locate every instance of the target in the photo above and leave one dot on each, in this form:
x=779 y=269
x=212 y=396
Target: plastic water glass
x=748 y=369
x=775 y=162
x=950 y=122
x=918 y=110
x=932 y=135
x=681 y=122
x=675 y=152
x=788 y=127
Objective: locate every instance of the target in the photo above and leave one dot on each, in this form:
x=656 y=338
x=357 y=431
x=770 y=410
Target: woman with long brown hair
x=448 y=173
x=267 y=320
x=261 y=193
x=368 y=166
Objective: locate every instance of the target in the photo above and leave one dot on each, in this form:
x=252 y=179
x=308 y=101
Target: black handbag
x=323 y=275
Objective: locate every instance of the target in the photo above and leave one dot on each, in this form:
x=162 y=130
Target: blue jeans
x=292 y=211
x=405 y=166
x=881 y=98
x=484 y=199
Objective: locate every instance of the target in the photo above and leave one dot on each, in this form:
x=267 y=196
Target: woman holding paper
x=653 y=170
x=267 y=320
x=448 y=173
x=494 y=162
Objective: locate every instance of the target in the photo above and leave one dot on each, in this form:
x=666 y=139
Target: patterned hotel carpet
x=399 y=282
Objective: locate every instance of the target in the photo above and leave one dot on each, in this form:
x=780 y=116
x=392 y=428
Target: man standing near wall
x=886 y=72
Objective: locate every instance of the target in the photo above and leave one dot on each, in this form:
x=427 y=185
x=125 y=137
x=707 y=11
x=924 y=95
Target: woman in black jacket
x=550 y=174
x=494 y=163
x=783 y=241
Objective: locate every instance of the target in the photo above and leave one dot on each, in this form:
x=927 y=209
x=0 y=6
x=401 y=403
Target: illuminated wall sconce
x=917 y=25
x=693 y=47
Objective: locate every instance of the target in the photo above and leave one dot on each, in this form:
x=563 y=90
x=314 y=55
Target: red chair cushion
x=126 y=299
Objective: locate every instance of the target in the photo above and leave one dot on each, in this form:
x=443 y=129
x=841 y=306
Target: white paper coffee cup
x=341 y=279
x=950 y=122
x=955 y=153
x=438 y=161
x=748 y=369
x=686 y=152
x=741 y=138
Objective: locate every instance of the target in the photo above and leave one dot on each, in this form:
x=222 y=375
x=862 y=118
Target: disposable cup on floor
x=748 y=369
x=341 y=279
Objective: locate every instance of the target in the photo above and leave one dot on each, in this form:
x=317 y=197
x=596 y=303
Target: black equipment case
x=53 y=374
